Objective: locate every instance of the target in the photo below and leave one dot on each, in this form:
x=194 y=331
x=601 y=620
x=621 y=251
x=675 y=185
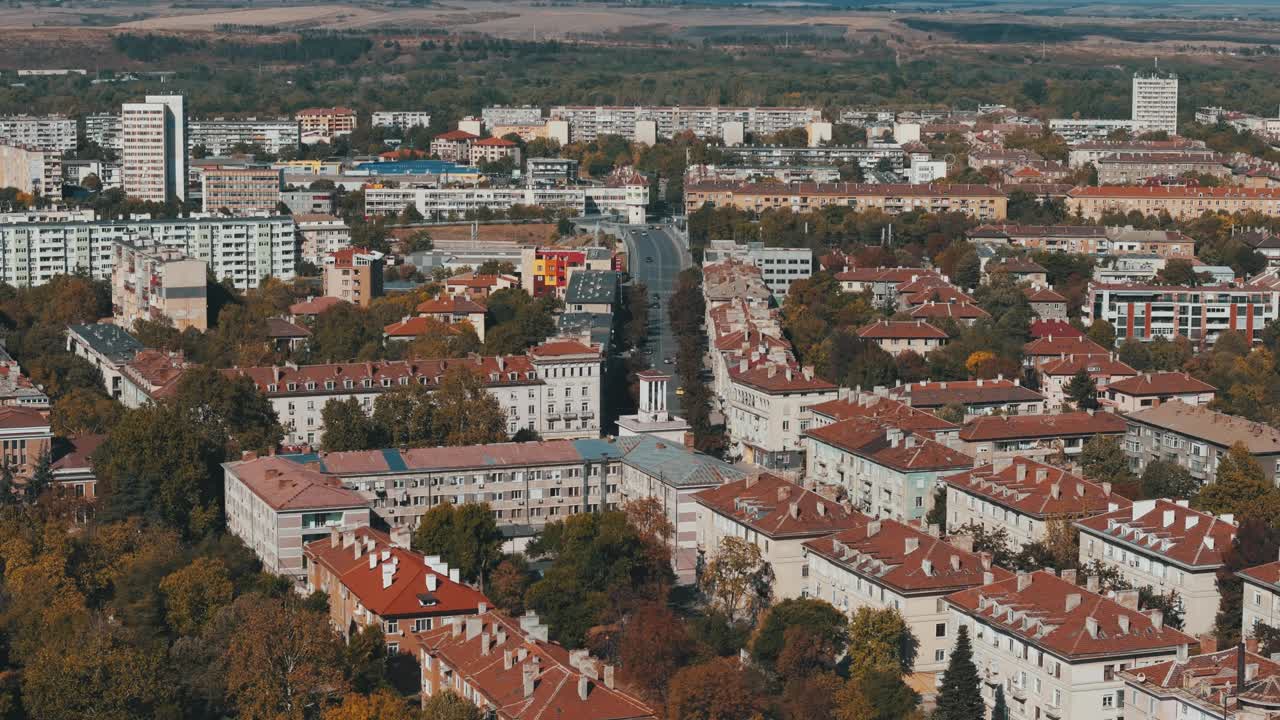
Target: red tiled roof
x=1096 y=365
x=905 y=452
x=156 y=371
x=314 y=307
x=1028 y=487
x=1168 y=529
x=1017 y=265
x=78 y=452
x=1175 y=192
x=1042 y=426
x=778 y=508
x=901 y=329
x=1055 y=328
x=408 y=594
x=456 y=136
x=346 y=257
x=938 y=295
x=16 y=416
x=888 y=411
x=885 y=275
x=959 y=310
x=908 y=560
x=1165 y=383
x=1064 y=618
x=556 y=677
x=281 y=328
x=286 y=486
x=450 y=304
x=1266 y=574
x=555 y=348
x=428 y=372
x=479 y=281
x=964 y=392
x=841 y=189
x=1058 y=345
x=1044 y=295
x=494 y=142
x=326 y=111
x=418 y=325
x=780 y=377
x=1212 y=678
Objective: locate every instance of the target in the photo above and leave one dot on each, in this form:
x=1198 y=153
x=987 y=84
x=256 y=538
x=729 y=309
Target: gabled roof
x=908 y=560
x=1042 y=426
x=1211 y=681
x=901 y=329
x=561 y=347
x=888 y=411
x=314 y=306
x=13 y=417
x=905 y=452
x=285 y=486
x=1201 y=423
x=492 y=653
x=1044 y=295
x=958 y=310
x=1036 y=489
x=1020 y=266
x=493 y=142
x=777 y=508
x=408 y=594
x=886 y=275
x=1055 y=328
x=450 y=304
x=780 y=377
x=929 y=394
x=456 y=136
x=412 y=327
x=1066 y=619
x=1168 y=529
x=1059 y=345
x=1095 y=365
x=278 y=328
x=1164 y=383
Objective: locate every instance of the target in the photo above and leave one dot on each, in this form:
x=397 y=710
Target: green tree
x=1102 y=333
x=882 y=641
x=404 y=416
x=347 y=427
x=1240 y=488
x=449 y=705
x=1000 y=711
x=465 y=536
x=827 y=625
x=233 y=406
x=1103 y=460
x=466 y=413
x=720 y=689
x=193 y=593
x=1168 y=479
x=960 y=694
x=1082 y=390
x=738 y=579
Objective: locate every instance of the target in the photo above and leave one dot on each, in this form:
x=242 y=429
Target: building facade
x=53 y=132
x=1144 y=311
x=353 y=275
x=153 y=148
x=158 y=286
x=220 y=137
x=1197 y=438
x=241 y=191
x=1155 y=102
x=980 y=201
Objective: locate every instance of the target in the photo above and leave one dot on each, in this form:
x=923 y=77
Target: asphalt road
x=667 y=248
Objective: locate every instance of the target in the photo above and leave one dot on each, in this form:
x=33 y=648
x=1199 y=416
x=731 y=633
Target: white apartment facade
x=1166 y=546
x=154 y=148
x=403 y=119
x=627 y=201
x=244 y=250
x=1145 y=312
x=219 y=136
x=103 y=130
x=31 y=170
x=1261 y=599
x=51 y=132
x=767 y=411
x=779 y=267
x=588 y=123
x=1155 y=102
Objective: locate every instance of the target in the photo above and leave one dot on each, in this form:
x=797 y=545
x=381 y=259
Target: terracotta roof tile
x=1042 y=426
x=1211 y=681
x=315 y=306
x=868 y=438
x=286 y=486
x=778 y=508
x=1056 y=328
x=1058 y=345
x=888 y=411
x=956 y=310
x=964 y=392
x=1098 y=366
x=1036 y=489
x=1168 y=529
x=1200 y=422
x=1165 y=383
x=901 y=329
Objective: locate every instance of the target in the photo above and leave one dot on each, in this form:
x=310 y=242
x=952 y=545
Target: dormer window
x=311 y=386
x=386 y=382
x=292 y=387
x=404 y=380
x=367 y=382
x=328 y=385
x=273 y=388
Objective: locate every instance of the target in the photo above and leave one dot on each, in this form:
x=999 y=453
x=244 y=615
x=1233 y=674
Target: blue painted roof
x=418 y=167
x=596 y=449
x=395 y=462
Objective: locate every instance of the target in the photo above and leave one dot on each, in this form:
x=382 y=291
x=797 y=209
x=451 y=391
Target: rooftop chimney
x=1128 y=598
x=1091 y=626
x=1024 y=581
x=583 y=685
x=485 y=642
x=528 y=673
x=1124 y=624
x=608 y=676
x=506 y=659
x=1073 y=601
x=912 y=544
x=1157 y=618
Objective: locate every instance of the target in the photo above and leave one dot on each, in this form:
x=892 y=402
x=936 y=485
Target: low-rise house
x=106 y=347
x=276 y=506
x=896 y=337
x=1196 y=438
x=1161 y=243
x=978 y=397
x=1151 y=389
x=285 y=335
x=1166 y=546
x=15 y=387
x=1054 y=347
x=1057 y=648
x=883 y=564
x=1037 y=436
x=1047 y=303
x=507 y=668
x=1219 y=685
x=883 y=471
x=1057 y=374
x=592 y=291
x=1021 y=270
x=72 y=464
x=1021 y=496
x=882 y=282
x=932 y=290
x=1044 y=328
x=150 y=376
x=672 y=474
x=454 y=146
x=962 y=312
x=371 y=580
x=308 y=309
x=446 y=310
x=775 y=515
x=478 y=287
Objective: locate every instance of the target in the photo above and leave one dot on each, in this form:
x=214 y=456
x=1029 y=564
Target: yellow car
x=679 y=391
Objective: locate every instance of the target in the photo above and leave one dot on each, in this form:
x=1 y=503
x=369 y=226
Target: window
x=939 y=655
x=940 y=630
x=391 y=627
x=1108 y=701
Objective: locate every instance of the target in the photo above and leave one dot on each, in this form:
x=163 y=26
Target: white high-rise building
x=1155 y=102
x=154 y=148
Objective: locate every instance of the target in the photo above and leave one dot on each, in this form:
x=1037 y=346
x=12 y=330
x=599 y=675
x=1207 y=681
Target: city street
x=665 y=245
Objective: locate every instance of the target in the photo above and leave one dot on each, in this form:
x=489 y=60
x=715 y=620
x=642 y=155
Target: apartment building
x=353 y=275
x=898 y=336
x=886 y=564
x=668 y=472
x=506 y=667
x=219 y=137
x=626 y=200
x=150 y=376
x=891 y=413
x=1166 y=546
x=1075 y=130
x=493 y=149
x=868 y=156
x=1144 y=311
x=309 y=202
x=476 y=286
x=107 y=347
x=1083 y=239
x=1036 y=436
x=885 y=472
x=321 y=234
x=453 y=146
x=103 y=130
x=1083 y=153
x=1161 y=243
x=500 y=115
x=554 y=389
x=276 y=507
x=1261 y=597
x=547 y=270
x=372 y=580
x=160 y=286
x=979 y=397
x=26 y=439
x=49 y=132
x=153 y=148
x=31 y=170
x=1155 y=102
x=979 y=201
x=1219 y=685
x=1051 y=348
x=324 y=124
x=525 y=484
x=1152 y=389
x=1133 y=168
x=767 y=410
x=1196 y=438
x=241 y=190
x=403 y=119
x=242 y=250
x=775 y=515
x=1181 y=202
x=1056 y=375
x=16 y=388
x=1058 y=648
x=446 y=310
x=779 y=267
x=884 y=283
x=1020 y=496
x=588 y=123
